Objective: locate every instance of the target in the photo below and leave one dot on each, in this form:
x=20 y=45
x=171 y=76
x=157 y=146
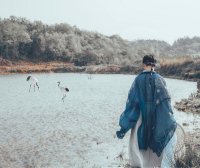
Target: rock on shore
x=192 y=104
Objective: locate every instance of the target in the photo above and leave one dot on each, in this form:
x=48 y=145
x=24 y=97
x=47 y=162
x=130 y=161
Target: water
x=37 y=129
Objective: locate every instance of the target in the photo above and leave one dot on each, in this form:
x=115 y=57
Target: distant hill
x=187 y=46
x=21 y=39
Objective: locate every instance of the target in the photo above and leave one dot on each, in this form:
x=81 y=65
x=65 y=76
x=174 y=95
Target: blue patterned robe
x=149 y=96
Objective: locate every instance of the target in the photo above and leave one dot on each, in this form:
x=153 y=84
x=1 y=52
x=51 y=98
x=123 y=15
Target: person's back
x=148 y=111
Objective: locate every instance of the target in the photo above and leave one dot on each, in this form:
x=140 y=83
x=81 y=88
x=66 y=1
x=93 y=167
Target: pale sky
x=131 y=19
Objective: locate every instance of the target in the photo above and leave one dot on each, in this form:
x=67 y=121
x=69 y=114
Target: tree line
x=21 y=39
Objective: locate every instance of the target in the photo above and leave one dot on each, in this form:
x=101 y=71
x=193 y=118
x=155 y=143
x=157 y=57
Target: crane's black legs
x=63 y=97
x=30 y=88
x=37 y=85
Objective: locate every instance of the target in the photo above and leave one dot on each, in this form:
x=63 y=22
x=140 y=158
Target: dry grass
x=46 y=67
x=190 y=160
x=175 y=61
x=29 y=67
x=181 y=67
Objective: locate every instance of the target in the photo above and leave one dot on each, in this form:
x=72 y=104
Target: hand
x=120 y=134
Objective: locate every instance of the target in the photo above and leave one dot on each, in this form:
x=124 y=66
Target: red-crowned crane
x=34 y=81
x=64 y=90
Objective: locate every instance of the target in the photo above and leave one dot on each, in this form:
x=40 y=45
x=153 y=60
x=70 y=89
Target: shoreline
x=30 y=67
x=55 y=66
x=22 y=67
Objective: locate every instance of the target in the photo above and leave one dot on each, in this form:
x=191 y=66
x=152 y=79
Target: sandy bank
x=8 y=67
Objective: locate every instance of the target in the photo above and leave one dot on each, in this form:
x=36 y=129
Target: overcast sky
x=131 y=19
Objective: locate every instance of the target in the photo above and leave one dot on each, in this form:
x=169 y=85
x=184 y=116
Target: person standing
x=149 y=116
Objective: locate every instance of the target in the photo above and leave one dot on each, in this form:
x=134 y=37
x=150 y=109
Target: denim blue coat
x=149 y=98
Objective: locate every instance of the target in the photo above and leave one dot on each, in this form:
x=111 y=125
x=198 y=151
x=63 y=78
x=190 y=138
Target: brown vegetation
x=181 y=67
x=191 y=159
x=8 y=67
x=192 y=154
x=29 y=67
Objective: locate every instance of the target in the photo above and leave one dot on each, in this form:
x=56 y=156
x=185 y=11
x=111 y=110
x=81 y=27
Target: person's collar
x=147 y=71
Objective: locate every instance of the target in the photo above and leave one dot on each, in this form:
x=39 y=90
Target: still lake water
x=37 y=129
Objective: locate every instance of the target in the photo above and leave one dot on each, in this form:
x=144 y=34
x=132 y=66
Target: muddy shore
x=185 y=70
x=7 y=67
x=191 y=104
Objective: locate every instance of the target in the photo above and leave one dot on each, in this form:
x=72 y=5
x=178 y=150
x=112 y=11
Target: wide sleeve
x=131 y=113
x=165 y=124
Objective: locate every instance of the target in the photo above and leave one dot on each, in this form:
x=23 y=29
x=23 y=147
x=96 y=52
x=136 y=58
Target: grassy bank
x=181 y=67
x=192 y=154
x=186 y=68
x=29 y=67
x=8 y=67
